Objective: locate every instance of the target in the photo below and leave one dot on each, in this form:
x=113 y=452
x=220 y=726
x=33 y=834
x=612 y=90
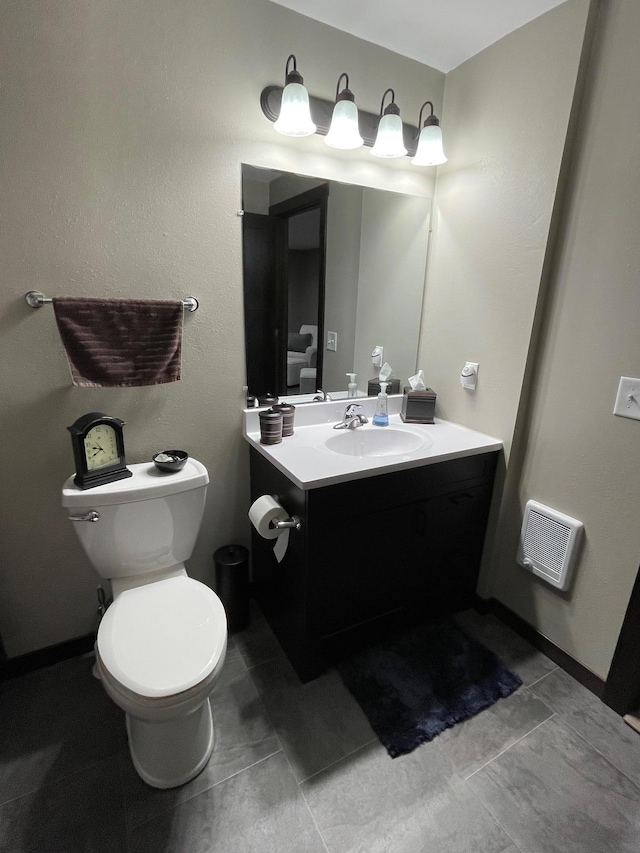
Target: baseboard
x=23 y=664
x=577 y=670
x=633 y=720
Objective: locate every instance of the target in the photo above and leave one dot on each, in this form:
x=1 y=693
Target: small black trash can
x=232 y=584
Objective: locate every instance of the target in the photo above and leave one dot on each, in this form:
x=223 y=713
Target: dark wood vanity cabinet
x=372 y=555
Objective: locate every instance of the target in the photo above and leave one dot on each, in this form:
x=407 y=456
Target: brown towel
x=120 y=343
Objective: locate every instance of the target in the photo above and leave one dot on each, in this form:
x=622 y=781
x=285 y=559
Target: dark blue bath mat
x=414 y=686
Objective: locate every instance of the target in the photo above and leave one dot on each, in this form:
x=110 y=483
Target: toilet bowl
x=161 y=644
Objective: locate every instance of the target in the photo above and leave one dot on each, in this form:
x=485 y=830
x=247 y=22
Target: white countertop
x=306 y=460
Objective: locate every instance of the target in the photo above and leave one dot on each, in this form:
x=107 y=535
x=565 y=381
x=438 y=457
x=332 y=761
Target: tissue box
x=418 y=407
x=373 y=387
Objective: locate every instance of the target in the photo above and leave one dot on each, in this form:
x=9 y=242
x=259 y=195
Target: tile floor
x=297 y=769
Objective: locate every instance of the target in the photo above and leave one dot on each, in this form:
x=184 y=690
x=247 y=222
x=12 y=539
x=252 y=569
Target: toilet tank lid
x=146 y=483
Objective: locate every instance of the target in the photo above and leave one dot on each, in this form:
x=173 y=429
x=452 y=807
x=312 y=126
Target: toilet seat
x=163 y=638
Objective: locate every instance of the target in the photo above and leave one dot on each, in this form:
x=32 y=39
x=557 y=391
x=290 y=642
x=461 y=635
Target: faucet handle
x=352 y=410
x=352 y=417
x=321 y=396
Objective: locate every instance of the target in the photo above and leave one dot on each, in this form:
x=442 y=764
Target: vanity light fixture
x=295 y=115
x=344 y=131
x=430 y=151
x=389 y=141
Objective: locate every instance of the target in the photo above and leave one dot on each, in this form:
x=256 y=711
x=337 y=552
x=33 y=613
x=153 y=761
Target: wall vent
x=549 y=543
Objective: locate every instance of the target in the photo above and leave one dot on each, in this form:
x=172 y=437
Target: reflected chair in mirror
x=308 y=380
x=302 y=350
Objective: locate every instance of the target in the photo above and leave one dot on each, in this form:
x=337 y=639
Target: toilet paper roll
x=262 y=512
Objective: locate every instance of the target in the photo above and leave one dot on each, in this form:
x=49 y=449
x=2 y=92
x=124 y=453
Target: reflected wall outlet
x=628 y=399
x=332 y=341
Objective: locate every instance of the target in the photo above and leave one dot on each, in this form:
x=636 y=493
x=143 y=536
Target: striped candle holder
x=270 y=427
x=288 y=411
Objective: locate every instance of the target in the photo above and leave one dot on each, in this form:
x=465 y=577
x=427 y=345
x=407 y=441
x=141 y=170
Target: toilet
x=161 y=644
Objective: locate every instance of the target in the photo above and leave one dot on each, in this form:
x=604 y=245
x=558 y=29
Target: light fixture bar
x=322 y=111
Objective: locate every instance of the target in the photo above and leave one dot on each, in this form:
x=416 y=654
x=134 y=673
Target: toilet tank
x=146 y=523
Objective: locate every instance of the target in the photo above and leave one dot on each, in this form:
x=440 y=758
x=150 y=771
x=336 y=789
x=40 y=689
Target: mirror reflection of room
x=305 y=269
x=331 y=271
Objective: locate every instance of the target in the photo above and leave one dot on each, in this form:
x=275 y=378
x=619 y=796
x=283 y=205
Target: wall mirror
x=331 y=271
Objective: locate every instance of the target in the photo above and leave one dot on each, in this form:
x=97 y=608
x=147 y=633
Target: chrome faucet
x=352 y=418
x=321 y=396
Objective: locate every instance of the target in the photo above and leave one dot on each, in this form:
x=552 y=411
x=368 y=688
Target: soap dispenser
x=381 y=417
x=352 y=388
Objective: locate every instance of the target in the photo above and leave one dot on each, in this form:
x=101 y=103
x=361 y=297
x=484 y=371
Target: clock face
x=101 y=447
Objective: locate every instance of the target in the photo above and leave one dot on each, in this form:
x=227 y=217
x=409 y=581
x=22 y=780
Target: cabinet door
x=414 y=556
x=447 y=537
x=366 y=576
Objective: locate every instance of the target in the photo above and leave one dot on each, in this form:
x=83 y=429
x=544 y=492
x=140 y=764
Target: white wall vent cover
x=549 y=543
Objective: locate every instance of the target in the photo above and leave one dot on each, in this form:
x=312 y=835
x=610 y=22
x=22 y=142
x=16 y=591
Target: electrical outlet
x=469 y=375
x=377 y=356
x=628 y=398
x=332 y=341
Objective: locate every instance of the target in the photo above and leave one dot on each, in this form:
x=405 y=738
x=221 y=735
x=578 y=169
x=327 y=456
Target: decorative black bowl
x=170 y=460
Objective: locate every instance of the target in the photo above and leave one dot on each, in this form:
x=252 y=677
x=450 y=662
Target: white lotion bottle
x=352 y=388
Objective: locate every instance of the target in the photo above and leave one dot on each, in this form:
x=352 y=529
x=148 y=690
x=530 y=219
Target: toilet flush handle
x=90 y=516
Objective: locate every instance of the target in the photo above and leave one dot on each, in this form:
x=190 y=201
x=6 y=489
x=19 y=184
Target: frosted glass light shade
x=430 y=152
x=389 y=142
x=295 y=116
x=344 y=131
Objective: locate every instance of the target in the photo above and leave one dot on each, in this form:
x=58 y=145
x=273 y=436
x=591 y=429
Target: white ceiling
x=439 y=33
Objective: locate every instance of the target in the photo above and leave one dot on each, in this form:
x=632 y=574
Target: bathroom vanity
x=387 y=536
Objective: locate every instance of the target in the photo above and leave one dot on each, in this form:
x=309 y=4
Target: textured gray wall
x=506 y=116
x=578 y=456
x=124 y=128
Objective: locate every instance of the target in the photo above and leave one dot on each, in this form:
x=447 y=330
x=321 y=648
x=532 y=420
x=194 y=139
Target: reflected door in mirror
x=259 y=304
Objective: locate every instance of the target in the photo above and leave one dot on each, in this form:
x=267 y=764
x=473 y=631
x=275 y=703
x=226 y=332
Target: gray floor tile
x=234 y=655
x=46 y=690
x=18 y=696
x=244 y=735
x=474 y=742
x=591 y=718
x=516 y=653
x=257 y=811
x=81 y=814
x=554 y=793
x=370 y=803
x=318 y=723
x=67 y=723
x=257 y=643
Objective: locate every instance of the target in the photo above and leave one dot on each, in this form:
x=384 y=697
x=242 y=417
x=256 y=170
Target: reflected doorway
x=284 y=283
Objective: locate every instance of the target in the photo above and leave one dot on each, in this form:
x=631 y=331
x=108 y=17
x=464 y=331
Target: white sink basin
x=376 y=442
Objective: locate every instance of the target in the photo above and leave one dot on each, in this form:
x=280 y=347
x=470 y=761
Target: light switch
x=628 y=399
x=332 y=341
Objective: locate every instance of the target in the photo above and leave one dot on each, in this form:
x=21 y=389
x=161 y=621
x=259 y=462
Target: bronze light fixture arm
x=346 y=94
x=292 y=75
x=392 y=107
x=431 y=119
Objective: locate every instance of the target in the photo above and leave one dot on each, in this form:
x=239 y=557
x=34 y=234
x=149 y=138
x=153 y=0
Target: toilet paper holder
x=293 y=522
